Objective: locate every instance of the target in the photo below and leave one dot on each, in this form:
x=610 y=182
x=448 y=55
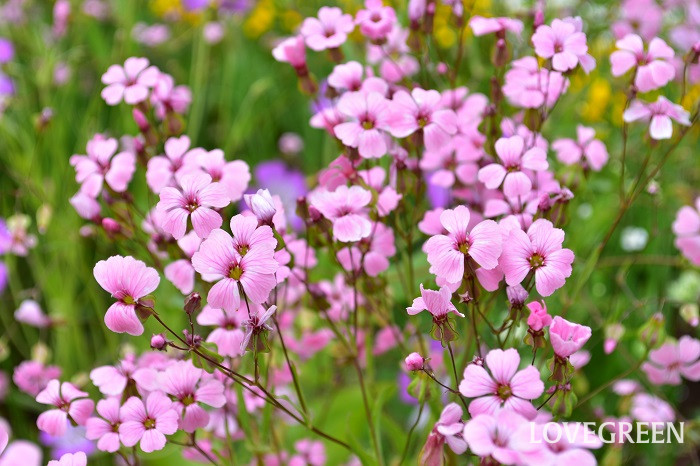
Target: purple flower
x=287 y=183
x=7 y=50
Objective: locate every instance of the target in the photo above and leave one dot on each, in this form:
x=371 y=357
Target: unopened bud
x=414 y=362
x=110 y=225
x=141 y=120
x=192 y=303
x=262 y=205
x=158 y=342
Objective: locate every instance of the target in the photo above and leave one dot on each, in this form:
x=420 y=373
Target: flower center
x=463 y=248
x=243 y=249
x=367 y=124
x=536 y=261
x=188 y=400
x=149 y=423
x=235 y=272
x=128 y=300
x=504 y=392
x=423 y=121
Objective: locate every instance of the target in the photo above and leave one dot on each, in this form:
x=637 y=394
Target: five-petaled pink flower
x=148 y=423
x=654 y=68
x=668 y=363
x=447 y=253
x=529 y=86
x=192 y=388
x=228 y=335
x=437 y=303
x=132 y=82
x=254 y=270
x=345 y=207
x=540 y=251
x=482 y=26
x=128 y=280
x=567 y=337
x=510 y=171
x=448 y=429
x=70 y=403
x=376 y=20
x=593 y=151
x=197 y=201
x=105 y=429
x=687 y=230
x=422 y=110
x=562 y=43
x=494 y=436
x=369 y=113
x=506 y=386
x=329 y=31
x=163 y=170
x=292 y=50
x=659 y=114
x=100 y=165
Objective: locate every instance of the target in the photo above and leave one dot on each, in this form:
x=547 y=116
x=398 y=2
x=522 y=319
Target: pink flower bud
x=192 y=303
x=262 y=205
x=158 y=342
x=141 y=120
x=110 y=225
x=414 y=362
x=538 y=318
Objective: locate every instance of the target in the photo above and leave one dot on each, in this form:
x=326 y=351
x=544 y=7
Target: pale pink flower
x=30 y=313
x=574 y=441
x=447 y=253
x=311 y=453
x=643 y=17
x=494 y=435
x=567 y=337
x=149 y=423
x=529 y=86
x=100 y=165
x=346 y=208
x=69 y=402
x=262 y=205
x=292 y=51
x=167 y=97
x=191 y=389
x=113 y=380
x=387 y=197
x=499 y=25
x=369 y=113
x=504 y=387
x=70 y=459
x=130 y=83
x=431 y=224
x=376 y=20
x=128 y=280
x=687 y=230
x=228 y=335
x=539 y=251
x=32 y=376
x=310 y=343
x=329 y=31
x=234 y=176
x=256 y=324
x=4 y=435
x=659 y=114
x=653 y=67
x=590 y=152
x=349 y=76
x=372 y=253
x=197 y=200
x=514 y=159
x=538 y=318
x=86 y=206
x=421 y=111
x=105 y=429
x=181 y=273
x=648 y=408
x=452 y=163
x=668 y=363
x=447 y=430
x=254 y=271
x=21 y=453
x=163 y=170
x=437 y=303
x=562 y=43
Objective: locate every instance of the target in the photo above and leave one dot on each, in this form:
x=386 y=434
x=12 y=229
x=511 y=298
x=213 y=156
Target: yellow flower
x=599 y=94
x=260 y=19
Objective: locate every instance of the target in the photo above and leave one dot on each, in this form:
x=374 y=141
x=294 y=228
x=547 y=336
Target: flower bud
x=158 y=342
x=538 y=318
x=110 y=225
x=516 y=295
x=414 y=362
x=262 y=205
x=141 y=120
x=613 y=333
x=192 y=303
x=652 y=332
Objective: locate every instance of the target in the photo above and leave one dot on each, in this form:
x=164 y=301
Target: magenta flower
x=128 y=280
x=529 y=86
x=191 y=388
x=70 y=459
x=415 y=362
x=421 y=111
x=228 y=335
x=504 y=387
x=482 y=26
x=130 y=83
x=592 y=151
x=292 y=51
x=69 y=402
x=510 y=171
x=539 y=251
x=196 y=200
x=494 y=436
x=32 y=376
x=448 y=429
x=653 y=67
x=149 y=423
x=668 y=363
x=562 y=43
x=369 y=113
x=567 y=337
x=376 y=20
x=659 y=114
x=254 y=271
x=447 y=253
x=538 y=318
x=100 y=165
x=329 y=31
x=105 y=429
x=178 y=160
x=345 y=207
x=687 y=230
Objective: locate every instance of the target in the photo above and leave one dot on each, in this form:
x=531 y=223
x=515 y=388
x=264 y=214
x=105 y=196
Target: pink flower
x=30 y=313
x=373 y=252
x=70 y=459
x=495 y=435
x=447 y=253
x=482 y=26
x=191 y=388
x=453 y=163
x=592 y=150
x=148 y=424
x=262 y=205
x=667 y=364
x=648 y=408
x=448 y=429
x=253 y=271
x=571 y=447
x=659 y=114
x=105 y=429
x=562 y=43
x=421 y=111
x=163 y=170
x=21 y=452
x=687 y=230
x=32 y=376
x=86 y=206
x=234 y=176
x=643 y=17
x=255 y=325
x=510 y=170
x=366 y=131
x=166 y=97
x=505 y=387
x=376 y=21
x=69 y=403
x=100 y=164
x=567 y=337
x=529 y=86
x=348 y=76
x=228 y=335
x=539 y=251
x=292 y=51
x=329 y=31
x=345 y=207
x=653 y=67
x=131 y=83
x=437 y=303
x=196 y=200
x=415 y=362
x=312 y=453
x=538 y=318
x=181 y=273
x=128 y=280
